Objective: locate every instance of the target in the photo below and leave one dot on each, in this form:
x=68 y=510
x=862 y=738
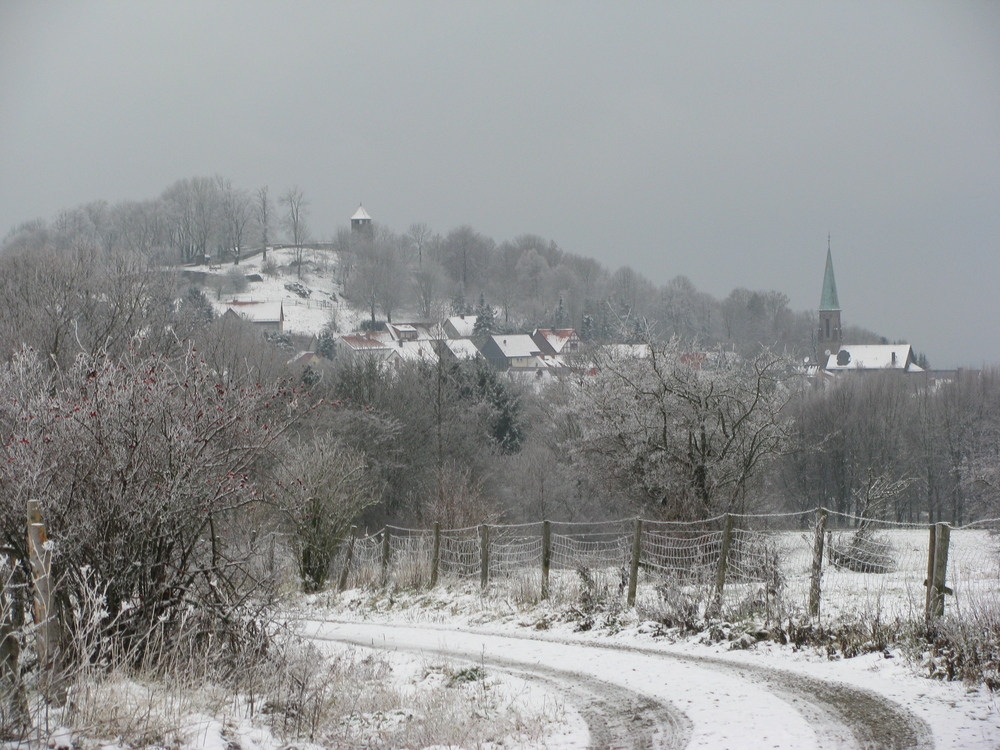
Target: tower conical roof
x=361 y=214
x=829 y=300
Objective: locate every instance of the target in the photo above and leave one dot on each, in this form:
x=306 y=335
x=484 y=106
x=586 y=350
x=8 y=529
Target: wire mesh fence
x=822 y=563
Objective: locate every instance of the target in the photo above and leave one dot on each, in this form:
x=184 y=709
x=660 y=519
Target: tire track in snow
x=835 y=715
x=617 y=718
x=871 y=720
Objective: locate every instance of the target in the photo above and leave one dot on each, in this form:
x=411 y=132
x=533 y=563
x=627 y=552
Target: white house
x=513 y=351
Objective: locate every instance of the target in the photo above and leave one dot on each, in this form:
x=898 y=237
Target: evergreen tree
x=326 y=344
x=485 y=319
x=479 y=381
x=559 y=319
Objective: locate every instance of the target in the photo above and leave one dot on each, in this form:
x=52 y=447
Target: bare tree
x=379 y=272
x=682 y=430
x=465 y=256
x=192 y=215
x=262 y=214
x=393 y=272
x=427 y=283
x=296 y=212
x=237 y=210
x=503 y=277
x=81 y=300
x=419 y=236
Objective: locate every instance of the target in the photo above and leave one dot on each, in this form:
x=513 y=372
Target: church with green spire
x=834 y=356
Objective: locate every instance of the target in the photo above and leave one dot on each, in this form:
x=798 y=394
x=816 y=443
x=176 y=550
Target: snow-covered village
x=521 y=376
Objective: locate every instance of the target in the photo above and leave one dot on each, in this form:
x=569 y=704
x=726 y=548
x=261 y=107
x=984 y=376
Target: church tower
x=829 y=339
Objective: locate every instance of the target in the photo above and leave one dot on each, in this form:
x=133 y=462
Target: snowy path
x=636 y=697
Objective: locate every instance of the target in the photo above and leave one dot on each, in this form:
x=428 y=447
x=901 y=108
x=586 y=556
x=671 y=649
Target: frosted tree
x=683 y=430
x=327 y=486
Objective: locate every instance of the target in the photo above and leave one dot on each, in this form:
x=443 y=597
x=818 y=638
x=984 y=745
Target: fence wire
x=867 y=567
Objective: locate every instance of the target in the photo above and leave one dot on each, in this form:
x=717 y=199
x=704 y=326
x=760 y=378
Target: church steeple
x=829 y=300
x=829 y=339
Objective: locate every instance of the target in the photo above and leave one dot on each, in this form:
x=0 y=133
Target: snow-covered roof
x=553 y=362
x=362 y=341
x=557 y=338
x=258 y=312
x=411 y=331
x=516 y=345
x=304 y=358
x=462 y=348
x=873 y=357
x=361 y=214
x=413 y=351
x=462 y=324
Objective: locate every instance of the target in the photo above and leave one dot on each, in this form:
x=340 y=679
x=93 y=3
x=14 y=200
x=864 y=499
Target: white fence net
x=865 y=567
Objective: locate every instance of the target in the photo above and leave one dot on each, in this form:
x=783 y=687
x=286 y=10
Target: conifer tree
x=485 y=318
x=559 y=319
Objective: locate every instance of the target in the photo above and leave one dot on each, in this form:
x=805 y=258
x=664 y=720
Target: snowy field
x=305 y=316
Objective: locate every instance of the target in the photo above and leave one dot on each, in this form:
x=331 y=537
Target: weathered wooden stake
x=13 y=699
x=720 y=574
x=46 y=622
x=817 y=566
x=435 y=554
x=633 y=569
x=386 y=551
x=484 y=555
x=939 y=589
x=546 y=556
x=348 y=556
x=929 y=580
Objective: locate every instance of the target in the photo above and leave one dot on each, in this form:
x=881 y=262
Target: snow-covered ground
x=304 y=315
x=766 y=696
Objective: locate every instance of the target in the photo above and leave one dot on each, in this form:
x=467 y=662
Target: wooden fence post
x=484 y=555
x=817 y=565
x=937 y=581
x=546 y=556
x=435 y=554
x=633 y=570
x=46 y=622
x=13 y=699
x=342 y=584
x=715 y=608
x=386 y=551
x=929 y=580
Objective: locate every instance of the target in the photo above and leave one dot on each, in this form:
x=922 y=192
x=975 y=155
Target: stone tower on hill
x=361 y=221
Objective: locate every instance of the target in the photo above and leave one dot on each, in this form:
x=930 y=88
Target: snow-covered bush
x=147 y=469
x=863 y=552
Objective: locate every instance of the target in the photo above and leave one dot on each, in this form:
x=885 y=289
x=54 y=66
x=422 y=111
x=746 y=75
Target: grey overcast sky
x=718 y=140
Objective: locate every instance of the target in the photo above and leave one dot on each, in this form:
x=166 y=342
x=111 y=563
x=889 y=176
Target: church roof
x=361 y=214
x=829 y=300
x=874 y=357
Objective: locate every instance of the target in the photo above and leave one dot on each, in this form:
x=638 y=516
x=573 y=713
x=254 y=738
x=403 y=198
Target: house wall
x=525 y=363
